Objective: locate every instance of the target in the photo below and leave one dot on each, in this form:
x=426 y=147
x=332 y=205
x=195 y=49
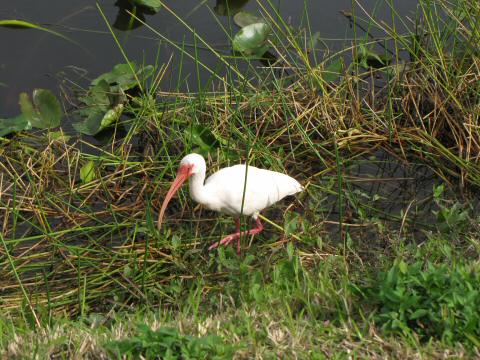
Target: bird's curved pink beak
x=183 y=173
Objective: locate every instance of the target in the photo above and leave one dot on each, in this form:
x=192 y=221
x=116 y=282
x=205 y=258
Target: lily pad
x=121 y=77
x=97 y=119
x=104 y=102
x=87 y=172
x=98 y=96
x=244 y=18
x=15 y=124
x=154 y=5
x=252 y=40
x=45 y=112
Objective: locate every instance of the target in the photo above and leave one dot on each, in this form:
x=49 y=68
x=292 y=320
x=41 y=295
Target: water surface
x=34 y=59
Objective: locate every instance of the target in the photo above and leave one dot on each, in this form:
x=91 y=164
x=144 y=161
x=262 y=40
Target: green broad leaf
x=252 y=40
x=16 y=124
x=418 y=314
x=111 y=116
x=203 y=137
x=333 y=70
x=369 y=59
x=154 y=5
x=97 y=120
x=244 y=18
x=91 y=124
x=124 y=76
x=403 y=267
x=48 y=108
x=98 y=96
x=87 y=172
x=438 y=191
x=45 y=112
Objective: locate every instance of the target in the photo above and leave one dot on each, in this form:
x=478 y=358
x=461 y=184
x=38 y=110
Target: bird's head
x=190 y=165
x=193 y=164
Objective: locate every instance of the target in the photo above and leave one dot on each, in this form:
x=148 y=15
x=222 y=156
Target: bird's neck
x=197 y=189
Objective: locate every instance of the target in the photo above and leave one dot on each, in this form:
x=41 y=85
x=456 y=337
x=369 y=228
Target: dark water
x=34 y=59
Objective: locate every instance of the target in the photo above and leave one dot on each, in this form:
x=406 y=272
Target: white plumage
x=225 y=190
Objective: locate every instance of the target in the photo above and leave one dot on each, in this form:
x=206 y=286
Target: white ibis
x=225 y=191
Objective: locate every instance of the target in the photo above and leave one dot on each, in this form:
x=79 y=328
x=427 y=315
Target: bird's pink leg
x=236 y=236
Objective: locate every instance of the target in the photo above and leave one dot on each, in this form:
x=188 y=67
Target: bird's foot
x=225 y=241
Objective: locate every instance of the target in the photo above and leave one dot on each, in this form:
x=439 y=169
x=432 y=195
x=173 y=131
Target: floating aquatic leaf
x=98 y=96
x=45 y=112
x=154 y=5
x=244 y=18
x=91 y=123
x=124 y=76
x=87 y=172
x=97 y=120
x=252 y=40
x=15 y=124
x=104 y=102
x=111 y=116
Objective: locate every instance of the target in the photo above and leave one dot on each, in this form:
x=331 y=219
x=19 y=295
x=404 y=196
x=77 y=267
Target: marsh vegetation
x=377 y=258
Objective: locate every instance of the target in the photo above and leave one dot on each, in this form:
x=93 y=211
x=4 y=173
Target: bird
x=225 y=192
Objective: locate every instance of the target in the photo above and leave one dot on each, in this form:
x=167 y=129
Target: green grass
x=376 y=259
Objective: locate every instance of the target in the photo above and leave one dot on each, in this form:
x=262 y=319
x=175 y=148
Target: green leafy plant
x=434 y=301
x=45 y=112
x=203 y=138
x=103 y=104
x=167 y=343
x=11 y=125
x=87 y=172
x=244 y=18
x=451 y=217
x=252 y=40
x=42 y=112
x=125 y=76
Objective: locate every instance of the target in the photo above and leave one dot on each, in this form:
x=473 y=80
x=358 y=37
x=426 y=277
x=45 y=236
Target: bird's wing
x=264 y=188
